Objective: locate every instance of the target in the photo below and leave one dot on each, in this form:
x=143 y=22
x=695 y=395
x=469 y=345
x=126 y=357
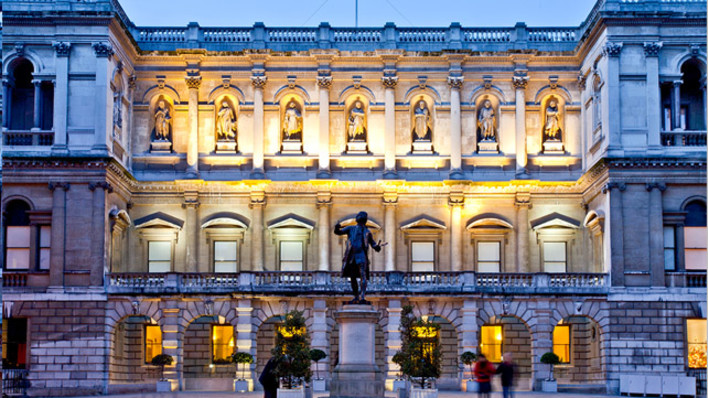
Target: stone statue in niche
x=292 y=129
x=486 y=129
x=226 y=128
x=356 y=129
x=552 y=133
x=117 y=111
x=162 y=137
x=422 y=128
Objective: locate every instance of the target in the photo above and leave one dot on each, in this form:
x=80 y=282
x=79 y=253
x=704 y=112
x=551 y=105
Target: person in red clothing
x=483 y=371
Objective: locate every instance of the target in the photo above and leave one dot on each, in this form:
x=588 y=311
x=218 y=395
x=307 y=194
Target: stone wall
x=517 y=341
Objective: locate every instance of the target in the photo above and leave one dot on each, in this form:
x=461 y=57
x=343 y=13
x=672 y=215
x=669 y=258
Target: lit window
x=695 y=253
x=289 y=332
x=488 y=257
x=45 y=238
x=222 y=337
x=491 y=342
x=696 y=338
x=159 y=256
x=225 y=256
x=291 y=256
x=554 y=257
x=669 y=248
x=427 y=337
x=18 y=247
x=561 y=342
x=422 y=256
x=153 y=342
x=14 y=343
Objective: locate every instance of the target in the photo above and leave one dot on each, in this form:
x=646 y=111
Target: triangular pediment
x=159 y=219
x=555 y=220
x=291 y=221
x=423 y=222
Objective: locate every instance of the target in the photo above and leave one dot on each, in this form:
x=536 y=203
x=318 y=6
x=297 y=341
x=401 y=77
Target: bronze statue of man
x=355 y=263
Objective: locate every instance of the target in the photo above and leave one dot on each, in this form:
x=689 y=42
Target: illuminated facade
x=174 y=190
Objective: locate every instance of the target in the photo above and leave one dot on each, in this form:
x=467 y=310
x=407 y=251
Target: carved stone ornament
x=226 y=82
x=422 y=82
x=20 y=48
x=612 y=49
x=520 y=82
x=487 y=82
x=324 y=81
x=389 y=81
x=455 y=82
x=582 y=81
x=259 y=81
x=651 y=49
x=193 y=81
x=160 y=82
x=62 y=48
x=695 y=50
x=132 y=81
x=102 y=49
x=292 y=81
x=553 y=82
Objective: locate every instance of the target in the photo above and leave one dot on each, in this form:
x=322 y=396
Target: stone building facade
x=174 y=190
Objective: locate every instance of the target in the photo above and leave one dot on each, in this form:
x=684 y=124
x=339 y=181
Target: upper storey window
x=27 y=237
x=691 y=115
x=695 y=236
x=31 y=102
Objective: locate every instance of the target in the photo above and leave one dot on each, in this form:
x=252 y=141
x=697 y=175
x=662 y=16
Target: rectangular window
x=488 y=257
x=695 y=251
x=17 y=255
x=291 y=256
x=422 y=256
x=222 y=337
x=696 y=339
x=225 y=256
x=561 y=342
x=669 y=248
x=667 y=118
x=159 y=256
x=153 y=342
x=14 y=343
x=45 y=244
x=554 y=257
x=491 y=338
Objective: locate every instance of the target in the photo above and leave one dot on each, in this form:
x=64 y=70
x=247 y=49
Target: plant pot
x=399 y=384
x=167 y=385
x=549 y=386
x=241 y=385
x=423 y=393
x=319 y=385
x=291 y=392
x=472 y=386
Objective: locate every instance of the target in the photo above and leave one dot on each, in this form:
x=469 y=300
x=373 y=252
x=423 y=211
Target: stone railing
x=14 y=279
x=686 y=279
x=15 y=382
x=27 y=138
x=319 y=282
x=683 y=138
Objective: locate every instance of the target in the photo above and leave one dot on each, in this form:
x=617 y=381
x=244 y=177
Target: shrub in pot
x=550 y=384
x=241 y=358
x=162 y=360
x=317 y=355
x=421 y=357
x=468 y=358
x=292 y=352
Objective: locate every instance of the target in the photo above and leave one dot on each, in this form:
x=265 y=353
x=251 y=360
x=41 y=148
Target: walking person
x=269 y=380
x=506 y=370
x=483 y=372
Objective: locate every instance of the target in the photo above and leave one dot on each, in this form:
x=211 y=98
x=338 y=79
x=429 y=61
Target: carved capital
x=614 y=185
x=62 y=185
x=324 y=82
x=658 y=185
x=455 y=82
x=101 y=184
x=193 y=81
x=677 y=83
x=191 y=200
x=102 y=49
x=62 y=48
x=612 y=49
x=456 y=198
x=651 y=49
x=582 y=81
x=259 y=81
x=389 y=81
x=258 y=199
x=324 y=199
x=520 y=82
x=390 y=198
x=523 y=199
x=36 y=82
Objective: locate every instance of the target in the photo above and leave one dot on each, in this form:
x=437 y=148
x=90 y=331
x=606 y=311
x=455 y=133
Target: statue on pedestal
x=355 y=263
x=226 y=123
x=552 y=130
x=292 y=123
x=486 y=122
x=422 y=128
x=163 y=122
x=356 y=128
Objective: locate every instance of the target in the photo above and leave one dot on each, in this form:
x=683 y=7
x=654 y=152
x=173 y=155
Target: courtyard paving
x=442 y=394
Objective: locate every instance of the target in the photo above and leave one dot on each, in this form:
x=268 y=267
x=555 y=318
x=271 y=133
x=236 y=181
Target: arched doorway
x=508 y=334
x=207 y=346
x=576 y=341
x=136 y=340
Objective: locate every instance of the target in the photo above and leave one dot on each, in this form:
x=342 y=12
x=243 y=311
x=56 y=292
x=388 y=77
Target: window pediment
x=291 y=221
x=351 y=220
x=423 y=222
x=488 y=221
x=225 y=220
x=159 y=220
x=554 y=220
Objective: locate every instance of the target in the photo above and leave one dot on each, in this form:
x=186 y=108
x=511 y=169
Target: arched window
x=22 y=96
x=691 y=115
x=30 y=104
x=695 y=236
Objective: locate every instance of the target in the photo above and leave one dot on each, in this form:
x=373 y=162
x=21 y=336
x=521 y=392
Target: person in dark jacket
x=483 y=372
x=355 y=263
x=506 y=370
x=269 y=380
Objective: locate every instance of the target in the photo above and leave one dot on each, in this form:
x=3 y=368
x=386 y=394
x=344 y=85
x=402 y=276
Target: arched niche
x=487 y=122
x=292 y=115
x=553 y=124
x=226 y=117
x=161 y=122
x=11 y=59
x=356 y=115
x=295 y=90
x=422 y=108
x=221 y=91
x=414 y=92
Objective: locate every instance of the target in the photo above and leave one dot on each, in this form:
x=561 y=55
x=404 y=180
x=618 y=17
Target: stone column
x=393 y=341
x=651 y=57
x=324 y=231
x=98 y=233
x=610 y=111
x=468 y=330
x=320 y=336
x=456 y=201
x=37 y=114
x=656 y=233
x=172 y=339
x=258 y=202
x=455 y=83
x=246 y=335
x=324 y=82
x=193 y=81
x=542 y=342
x=6 y=99
x=389 y=83
x=61 y=94
x=523 y=203
x=259 y=83
x=616 y=231
x=191 y=204
x=676 y=105
x=103 y=124
x=390 y=201
x=58 y=243
x=520 y=82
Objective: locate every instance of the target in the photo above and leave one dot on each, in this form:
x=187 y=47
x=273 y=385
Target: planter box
x=291 y=393
x=423 y=393
x=549 y=386
x=319 y=385
x=167 y=385
x=472 y=386
x=241 y=385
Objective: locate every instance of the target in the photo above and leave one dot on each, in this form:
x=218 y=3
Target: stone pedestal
x=291 y=147
x=553 y=148
x=226 y=147
x=161 y=147
x=423 y=147
x=357 y=375
x=357 y=148
x=488 y=147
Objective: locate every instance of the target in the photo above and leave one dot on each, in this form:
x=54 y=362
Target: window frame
x=435 y=255
x=157 y=230
x=489 y=229
x=37 y=219
x=213 y=343
x=492 y=358
x=687 y=344
x=172 y=255
x=423 y=229
x=544 y=262
x=291 y=228
x=6 y=341
x=147 y=360
x=569 y=345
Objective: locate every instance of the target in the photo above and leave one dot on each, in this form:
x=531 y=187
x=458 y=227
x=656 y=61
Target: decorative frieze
x=62 y=48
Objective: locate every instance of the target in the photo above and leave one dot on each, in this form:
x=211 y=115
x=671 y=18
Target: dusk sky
x=371 y=12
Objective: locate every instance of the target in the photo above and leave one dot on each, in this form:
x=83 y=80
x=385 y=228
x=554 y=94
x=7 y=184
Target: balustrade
x=28 y=138
x=683 y=138
x=686 y=279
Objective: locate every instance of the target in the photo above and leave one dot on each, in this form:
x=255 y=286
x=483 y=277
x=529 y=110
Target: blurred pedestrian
x=506 y=370
x=269 y=380
x=483 y=372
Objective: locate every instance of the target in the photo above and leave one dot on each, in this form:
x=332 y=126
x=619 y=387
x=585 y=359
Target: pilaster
x=258 y=80
x=102 y=123
x=98 y=233
x=389 y=81
x=651 y=58
x=656 y=234
x=616 y=219
x=172 y=339
x=520 y=81
x=393 y=340
x=246 y=335
x=612 y=51
x=324 y=82
x=390 y=201
x=192 y=232
x=58 y=242
x=257 y=205
x=455 y=83
x=522 y=204
x=455 y=202
x=193 y=81
x=324 y=204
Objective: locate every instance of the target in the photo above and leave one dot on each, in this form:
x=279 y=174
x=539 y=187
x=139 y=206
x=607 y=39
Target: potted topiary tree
x=318 y=383
x=164 y=385
x=421 y=355
x=241 y=358
x=400 y=383
x=550 y=384
x=468 y=358
x=292 y=354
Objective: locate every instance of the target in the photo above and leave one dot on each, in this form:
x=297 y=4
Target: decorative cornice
x=389 y=81
x=324 y=82
x=520 y=82
x=102 y=49
x=651 y=49
x=612 y=49
x=455 y=82
x=193 y=81
x=62 y=48
x=259 y=81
